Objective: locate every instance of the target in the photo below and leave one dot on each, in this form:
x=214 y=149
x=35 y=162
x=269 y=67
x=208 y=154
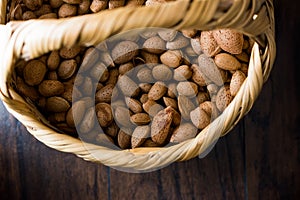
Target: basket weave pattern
x=30 y=39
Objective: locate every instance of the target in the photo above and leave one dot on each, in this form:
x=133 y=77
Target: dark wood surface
x=259 y=159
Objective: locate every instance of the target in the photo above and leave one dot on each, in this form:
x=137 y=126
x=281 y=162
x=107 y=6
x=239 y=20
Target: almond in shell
x=124 y=51
x=236 y=82
x=139 y=135
x=229 y=40
x=124 y=138
x=50 y=88
x=200 y=118
x=223 y=98
x=171 y=58
x=57 y=104
x=140 y=119
x=154 y=45
x=34 y=72
x=161 y=125
x=104 y=114
x=227 y=62
x=208 y=44
x=157 y=91
x=210 y=70
x=184 y=132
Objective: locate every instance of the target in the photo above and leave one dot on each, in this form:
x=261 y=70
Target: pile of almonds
x=146 y=89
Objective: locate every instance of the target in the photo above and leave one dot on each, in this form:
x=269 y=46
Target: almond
x=98 y=5
x=134 y=105
x=33 y=4
x=171 y=58
x=115 y=3
x=124 y=51
x=154 y=45
x=168 y=34
x=76 y=113
x=212 y=88
x=104 y=114
x=145 y=87
x=229 y=40
x=162 y=72
x=157 y=91
x=140 y=119
x=113 y=77
x=122 y=117
x=151 y=107
x=184 y=132
x=236 y=82
x=67 y=69
x=195 y=43
x=128 y=86
x=145 y=75
x=223 y=98
x=43 y=10
x=170 y=102
x=227 y=62
x=200 y=118
x=202 y=96
x=53 y=60
x=50 y=88
x=208 y=67
x=104 y=94
x=187 y=88
x=208 y=44
x=198 y=76
x=139 y=135
x=243 y=57
x=185 y=106
x=112 y=130
x=189 y=33
x=56 y=3
x=144 y=98
x=90 y=57
x=172 y=91
x=125 y=68
x=52 y=75
x=124 y=138
x=182 y=73
x=83 y=7
x=207 y=107
x=99 y=72
x=26 y=90
x=150 y=58
x=69 y=53
x=178 y=43
x=67 y=10
x=34 y=72
x=57 y=104
x=57 y=117
x=160 y=126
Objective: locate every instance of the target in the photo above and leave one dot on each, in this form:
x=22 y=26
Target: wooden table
x=259 y=159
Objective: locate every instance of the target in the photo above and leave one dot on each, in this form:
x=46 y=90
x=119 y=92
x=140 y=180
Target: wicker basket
x=30 y=39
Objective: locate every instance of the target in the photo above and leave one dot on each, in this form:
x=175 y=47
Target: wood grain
x=272 y=136
x=258 y=159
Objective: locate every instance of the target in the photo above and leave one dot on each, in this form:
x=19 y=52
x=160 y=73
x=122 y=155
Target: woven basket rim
x=140 y=159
